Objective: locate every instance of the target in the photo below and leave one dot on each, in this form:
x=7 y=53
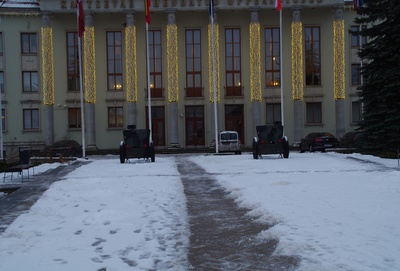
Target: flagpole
x=281 y=65
x=148 y=83
x=82 y=105
x=80 y=33
x=213 y=74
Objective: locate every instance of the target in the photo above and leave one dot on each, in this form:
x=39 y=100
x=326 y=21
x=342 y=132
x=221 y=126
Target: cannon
x=270 y=140
x=135 y=144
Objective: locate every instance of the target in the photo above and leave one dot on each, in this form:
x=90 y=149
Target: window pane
x=197 y=80
x=189 y=64
x=1 y=43
x=1 y=81
x=35 y=82
x=33 y=43
x=27 y=81
x=111 y=117
x=3 y=118
x=27 y=119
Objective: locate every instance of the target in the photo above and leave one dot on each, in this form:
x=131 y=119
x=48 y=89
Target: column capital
x=130 y=18
x=339 y=13
x=46 y=20
x=171 y=16
x=254 y=18
x=296 y=14
x=89 y=19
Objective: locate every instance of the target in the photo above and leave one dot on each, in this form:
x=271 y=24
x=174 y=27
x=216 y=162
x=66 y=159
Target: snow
x=337 y=212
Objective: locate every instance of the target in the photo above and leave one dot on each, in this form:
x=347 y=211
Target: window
x=28 y=43
x=115 y=117
x=30 y=81
x=314 y=113
x=356 y=112
x=1 y=43
x=233 y=62
x=272 y=57
x=355 y=74
x=1 y=81
x=31 y=119
x=1 y=72
x=3 y=119
x=114 y=60
x=74 y=118
x=273 y=112
x=155 y=59
x=355 y=39
x=313 y=55
x=193 y=63
x=73 y=61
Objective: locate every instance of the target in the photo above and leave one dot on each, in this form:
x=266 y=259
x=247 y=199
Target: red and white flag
x=81 y=18
x=278 y=4
x=147 y=10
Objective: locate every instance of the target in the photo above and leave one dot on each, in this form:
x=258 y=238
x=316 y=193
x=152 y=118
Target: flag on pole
x=147 y=10
x=211 y=8
x=358 y=3
x=278 y=4
x=81 y=18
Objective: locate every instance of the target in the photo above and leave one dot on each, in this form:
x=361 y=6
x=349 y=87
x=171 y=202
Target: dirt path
x=223 y=237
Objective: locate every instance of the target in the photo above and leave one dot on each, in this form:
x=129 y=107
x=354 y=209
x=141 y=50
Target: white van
x=229 y=142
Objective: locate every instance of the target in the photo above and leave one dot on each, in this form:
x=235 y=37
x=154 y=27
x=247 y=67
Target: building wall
x=315 y=13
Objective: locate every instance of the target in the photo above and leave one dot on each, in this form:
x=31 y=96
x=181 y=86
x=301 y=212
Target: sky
x=336 y=212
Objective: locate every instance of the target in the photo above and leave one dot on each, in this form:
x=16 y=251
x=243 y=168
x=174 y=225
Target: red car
x=319 y=141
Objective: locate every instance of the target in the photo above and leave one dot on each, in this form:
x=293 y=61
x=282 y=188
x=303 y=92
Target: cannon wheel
x=122 y=153
x=255 y=149
x=285 y=148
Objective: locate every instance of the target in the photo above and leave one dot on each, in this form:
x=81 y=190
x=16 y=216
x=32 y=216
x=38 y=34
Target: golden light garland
x=18 y=14
x=47 y=65
x=172 y=63
x=130 y=64
x=255 y=63
x=210 y=62
x=338 y=60
x=297 y=61
x=89 y=65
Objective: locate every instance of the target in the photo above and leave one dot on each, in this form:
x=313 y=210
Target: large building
x=305 y=75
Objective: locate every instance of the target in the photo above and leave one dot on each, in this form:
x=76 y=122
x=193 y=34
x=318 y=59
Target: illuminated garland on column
x=172 y=63
x=255 y=63
x=338 y=59
x=210 y=62
x=130 y=64
x=47 y=65
x=297 y=61
x=89 y=65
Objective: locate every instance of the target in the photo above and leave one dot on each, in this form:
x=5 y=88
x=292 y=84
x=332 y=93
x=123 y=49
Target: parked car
x=270 y=140
x=229 y=142
x=319 y=141
x=351 y=140
x=65 y=148
x=135 y=144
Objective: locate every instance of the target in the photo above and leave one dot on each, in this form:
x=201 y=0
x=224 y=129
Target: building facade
x=305 y=75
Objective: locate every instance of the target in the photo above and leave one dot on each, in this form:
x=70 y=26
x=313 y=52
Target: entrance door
x=234 y=119
x=158 y=124
x=194 y=120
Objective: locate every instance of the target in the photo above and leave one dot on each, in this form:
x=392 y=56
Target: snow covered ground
x=336 y=212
